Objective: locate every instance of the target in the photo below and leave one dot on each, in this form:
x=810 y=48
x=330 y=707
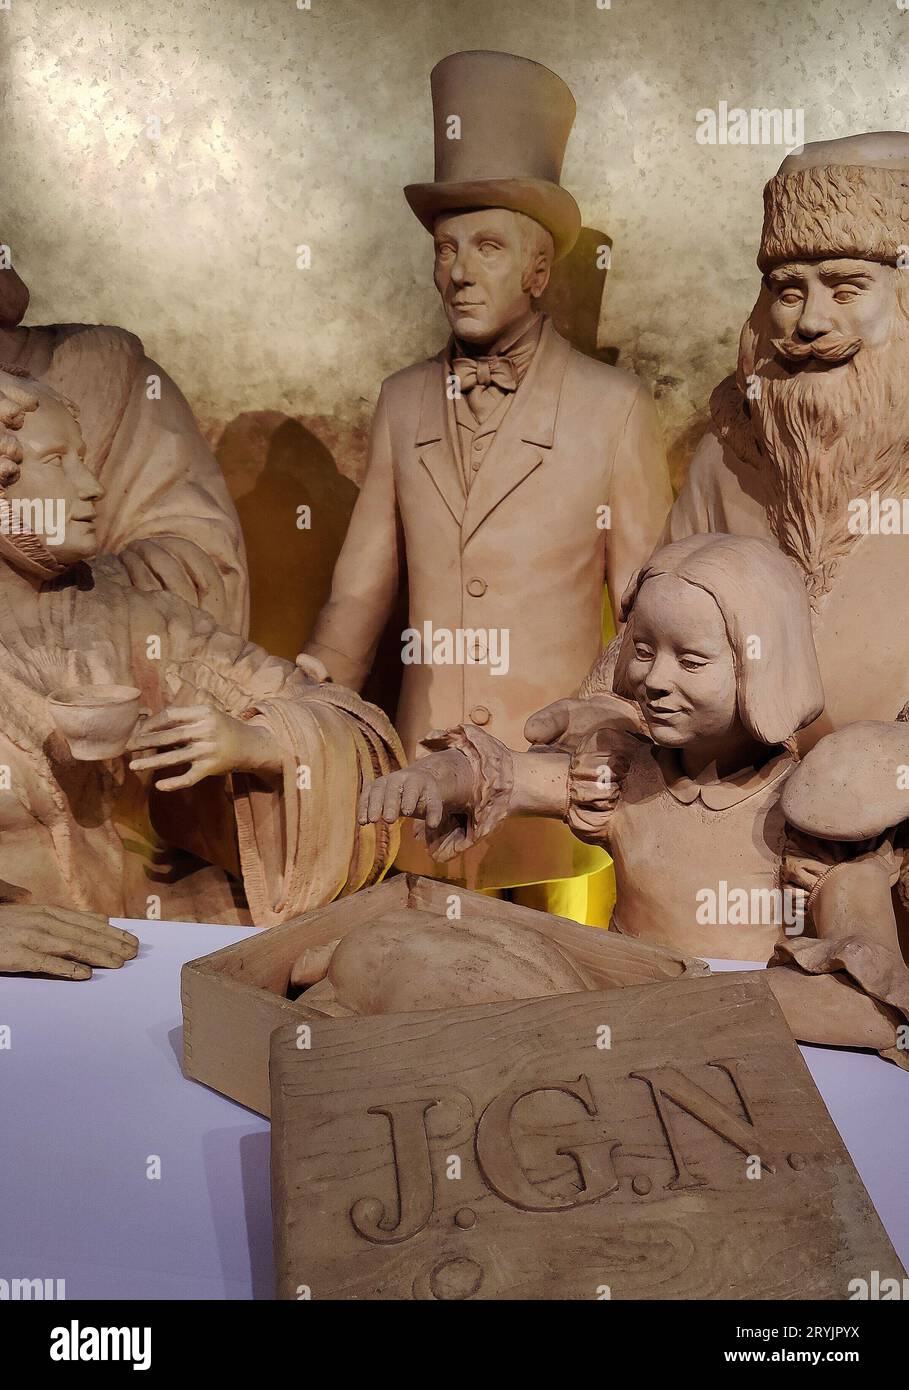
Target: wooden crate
x=500 y=1152
x=235 y=998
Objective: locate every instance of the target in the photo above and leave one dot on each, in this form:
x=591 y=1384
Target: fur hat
x=847 y=197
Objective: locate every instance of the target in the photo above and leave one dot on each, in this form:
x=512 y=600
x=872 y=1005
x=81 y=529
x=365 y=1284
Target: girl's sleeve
x=595 y=779
x=492 y=766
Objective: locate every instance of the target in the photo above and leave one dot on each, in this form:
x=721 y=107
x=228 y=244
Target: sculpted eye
x=790 y=295
x=643 y=652
x=692 y=663
x=846 y=293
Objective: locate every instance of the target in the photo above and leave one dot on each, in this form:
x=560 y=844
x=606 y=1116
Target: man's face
x=480 y=273
x=821 y=312
x=54 y=474
x=825 y=355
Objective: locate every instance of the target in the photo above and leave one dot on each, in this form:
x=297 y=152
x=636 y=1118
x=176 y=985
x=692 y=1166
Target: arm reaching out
x=425 y=791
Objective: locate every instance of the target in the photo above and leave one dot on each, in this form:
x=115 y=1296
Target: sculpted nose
x=461 y=271
x=815 y=320
x=656 y=682
x=88 y=486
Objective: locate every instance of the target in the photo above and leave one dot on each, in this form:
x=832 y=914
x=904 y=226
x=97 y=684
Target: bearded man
x=508 y=476
x=809 y=443
x=166 y=511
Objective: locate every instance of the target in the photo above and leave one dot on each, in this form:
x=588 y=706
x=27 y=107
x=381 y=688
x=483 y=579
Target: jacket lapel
x=435 y=442
x=525 y=434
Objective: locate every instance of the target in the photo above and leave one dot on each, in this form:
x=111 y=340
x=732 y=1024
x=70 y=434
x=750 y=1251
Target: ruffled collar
x=719 y=793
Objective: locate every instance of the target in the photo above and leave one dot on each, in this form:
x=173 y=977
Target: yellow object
x=587 y=899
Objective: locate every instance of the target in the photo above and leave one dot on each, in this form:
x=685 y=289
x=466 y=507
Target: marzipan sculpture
x=510 y=474
x=417 y=962
x=809 y=444
x=717 y=653
x=166 y=510
x=852 y=790
x=89 y=658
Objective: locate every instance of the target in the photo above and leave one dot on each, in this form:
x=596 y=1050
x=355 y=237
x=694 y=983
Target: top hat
x=514 y=118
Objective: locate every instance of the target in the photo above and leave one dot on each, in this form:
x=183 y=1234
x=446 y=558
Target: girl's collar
x=719 y=793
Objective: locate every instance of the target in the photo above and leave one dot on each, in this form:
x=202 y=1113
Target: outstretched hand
x=206 y=739
x=60 y=942
x=566 y=723
x=411 y=792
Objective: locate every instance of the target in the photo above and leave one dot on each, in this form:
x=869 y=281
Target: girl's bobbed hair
x=761 y=595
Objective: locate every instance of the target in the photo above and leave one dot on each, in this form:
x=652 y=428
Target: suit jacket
x=523 y=552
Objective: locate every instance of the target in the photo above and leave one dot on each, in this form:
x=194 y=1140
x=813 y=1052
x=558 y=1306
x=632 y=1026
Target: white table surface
x=91 y=1087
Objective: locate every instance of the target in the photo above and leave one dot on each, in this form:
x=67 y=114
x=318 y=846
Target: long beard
x=825 y=438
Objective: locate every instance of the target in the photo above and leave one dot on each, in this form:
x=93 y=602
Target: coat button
x=480 y=715
x=476 y=587
x=479 y=445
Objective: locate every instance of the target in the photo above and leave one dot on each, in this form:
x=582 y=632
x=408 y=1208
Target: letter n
x=667 y=1083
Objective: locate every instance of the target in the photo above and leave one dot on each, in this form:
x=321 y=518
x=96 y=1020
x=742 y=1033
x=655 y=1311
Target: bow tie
x=485 y=371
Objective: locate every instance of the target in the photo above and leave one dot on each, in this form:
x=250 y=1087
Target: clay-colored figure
x=717 y=654
x=511 y=474
x=166 y=510
x=809 y=444
x=418 y=962
x=851 y=790
x=259 y=768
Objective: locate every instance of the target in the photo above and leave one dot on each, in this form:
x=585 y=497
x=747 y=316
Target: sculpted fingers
x=431 y=805
x=394 y=790
x=93 y=930
x=54 y=965
x=198 y=771
x=87 y=951
x=187 y=753
x=412 y=793
x=172 y=725
x=374 y=797
x=548 y=723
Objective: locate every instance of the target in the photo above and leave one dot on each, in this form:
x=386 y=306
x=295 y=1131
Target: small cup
x=97 y=721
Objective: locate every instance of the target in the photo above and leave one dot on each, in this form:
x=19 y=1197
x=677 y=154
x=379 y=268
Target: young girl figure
x=717 y=653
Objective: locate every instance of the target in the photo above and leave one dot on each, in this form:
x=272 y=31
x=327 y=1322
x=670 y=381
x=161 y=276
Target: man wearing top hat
x=508 y=476
x=809 y=440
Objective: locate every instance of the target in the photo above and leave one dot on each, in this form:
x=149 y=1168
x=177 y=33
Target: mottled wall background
x=282 y=126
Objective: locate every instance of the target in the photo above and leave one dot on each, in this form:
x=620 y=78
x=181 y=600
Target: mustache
x=833 y=347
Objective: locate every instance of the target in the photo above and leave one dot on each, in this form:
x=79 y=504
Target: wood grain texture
x=234 y=998
x=581 y=1167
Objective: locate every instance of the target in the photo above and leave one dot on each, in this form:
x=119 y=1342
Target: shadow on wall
x=275 y=465
x=574 y=295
